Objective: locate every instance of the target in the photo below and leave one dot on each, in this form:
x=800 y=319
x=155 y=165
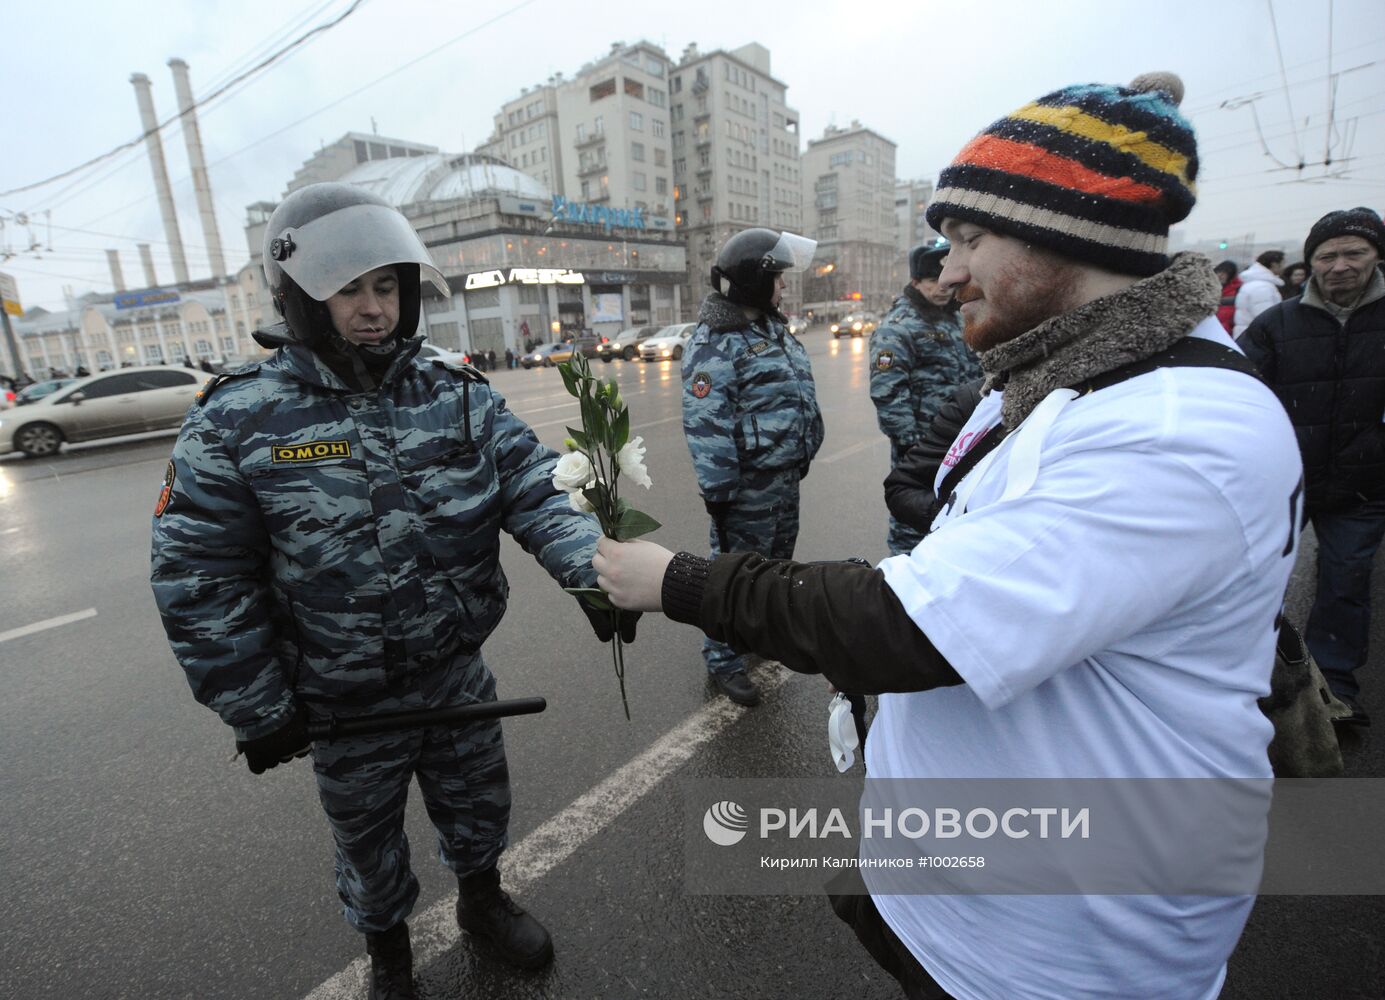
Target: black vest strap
x=1190 y=352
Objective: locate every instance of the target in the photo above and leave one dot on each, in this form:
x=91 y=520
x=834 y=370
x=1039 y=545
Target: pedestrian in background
x=509 y=358
x=1097 y=601
x=917 y=359
x=1228 y=273
x=1260 y=285
x=750 y=414
x=1323 y=353
x=327 y=543
x=1295 y=277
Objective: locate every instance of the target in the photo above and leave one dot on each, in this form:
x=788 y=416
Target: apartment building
x=601 y=138
x=849 y=201
x=735 y=157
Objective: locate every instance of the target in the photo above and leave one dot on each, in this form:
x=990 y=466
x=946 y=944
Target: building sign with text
x=597 y=215
x=524 y=276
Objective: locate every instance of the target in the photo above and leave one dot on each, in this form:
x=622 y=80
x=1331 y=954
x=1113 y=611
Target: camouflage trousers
x=900 y=538
x=764 y=519
x=363 y=783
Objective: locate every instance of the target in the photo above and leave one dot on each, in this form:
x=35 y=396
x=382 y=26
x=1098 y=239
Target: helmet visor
x=791 y=253
x=325 y=255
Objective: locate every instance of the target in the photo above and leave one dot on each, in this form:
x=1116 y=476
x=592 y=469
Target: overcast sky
x=926 y=75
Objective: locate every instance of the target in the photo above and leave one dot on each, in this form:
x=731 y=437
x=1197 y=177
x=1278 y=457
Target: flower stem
x=618 y=658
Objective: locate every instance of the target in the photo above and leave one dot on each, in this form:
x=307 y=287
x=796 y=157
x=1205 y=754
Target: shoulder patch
x=468 y=372
x=759 y=347
x=205 y=393
x=167 y=491
x=700 y=385
x=884 y=361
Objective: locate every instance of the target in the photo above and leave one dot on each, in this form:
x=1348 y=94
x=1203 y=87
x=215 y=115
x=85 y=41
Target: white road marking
x=76 y=616
x=9 y=531
x=847 y=452
x=434 y=931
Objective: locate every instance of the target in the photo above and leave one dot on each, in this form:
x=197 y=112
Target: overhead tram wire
x=263 y=64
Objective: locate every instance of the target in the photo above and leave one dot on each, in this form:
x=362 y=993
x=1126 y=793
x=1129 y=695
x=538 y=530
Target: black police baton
x=395 y=722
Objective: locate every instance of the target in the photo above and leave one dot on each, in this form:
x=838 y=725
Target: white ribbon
x=841 y=732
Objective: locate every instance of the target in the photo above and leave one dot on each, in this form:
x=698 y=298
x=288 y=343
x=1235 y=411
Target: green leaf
x=579 y=437
x=569 y=377
x=621 y=434
x=594 y=596
x=633 y=524
x=593 y=422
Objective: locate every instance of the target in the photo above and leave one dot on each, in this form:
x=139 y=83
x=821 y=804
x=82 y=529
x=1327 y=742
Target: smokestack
x=147 y=258
x=145 y=99
x=182 y=86
x=117 y=276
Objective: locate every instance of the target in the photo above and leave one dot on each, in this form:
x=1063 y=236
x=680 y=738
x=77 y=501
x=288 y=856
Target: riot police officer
x=917 y=359
x=327 y=541
x=750 y=413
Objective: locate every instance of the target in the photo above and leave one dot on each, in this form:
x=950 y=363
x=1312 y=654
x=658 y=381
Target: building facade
x=600 y=138
x=516 y=256
x=849 y=202
x=341 y=157
x=735 y=155
x=911 y=198
x=200 y=320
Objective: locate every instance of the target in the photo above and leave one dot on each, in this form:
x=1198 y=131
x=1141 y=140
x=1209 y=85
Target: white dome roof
x=441 y=177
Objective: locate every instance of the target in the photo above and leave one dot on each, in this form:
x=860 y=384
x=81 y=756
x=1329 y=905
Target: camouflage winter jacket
x=749 y=403
x=343 y=547
x=916 y=359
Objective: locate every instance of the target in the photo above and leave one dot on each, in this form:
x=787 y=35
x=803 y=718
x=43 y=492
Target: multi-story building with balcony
x=735 y=156
x=600 y=138
x=849 y=200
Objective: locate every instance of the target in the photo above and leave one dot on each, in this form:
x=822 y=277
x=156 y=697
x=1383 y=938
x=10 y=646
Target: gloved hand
x=718 y=509
x=279 y=746
x=601 y=622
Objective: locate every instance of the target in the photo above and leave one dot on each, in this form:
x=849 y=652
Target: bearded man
x=1097 y=595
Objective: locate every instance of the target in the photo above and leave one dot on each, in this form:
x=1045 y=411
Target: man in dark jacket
x=1323 y=353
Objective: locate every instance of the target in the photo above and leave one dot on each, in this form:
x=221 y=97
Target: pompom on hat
x=1093 y=171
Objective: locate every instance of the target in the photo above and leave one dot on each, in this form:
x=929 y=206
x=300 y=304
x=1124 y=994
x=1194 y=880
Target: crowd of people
x=1095 y=503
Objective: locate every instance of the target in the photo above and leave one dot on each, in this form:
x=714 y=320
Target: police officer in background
x=327 y=542
x=917 y=359
x=750 y=414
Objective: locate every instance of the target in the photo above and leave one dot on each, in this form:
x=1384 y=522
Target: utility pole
x=9 y=292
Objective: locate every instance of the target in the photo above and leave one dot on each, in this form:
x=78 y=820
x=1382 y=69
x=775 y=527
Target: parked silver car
x=125 y=401
x=668 y=344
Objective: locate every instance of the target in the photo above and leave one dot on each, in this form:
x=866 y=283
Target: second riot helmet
x=324 y=236
x=748 y=262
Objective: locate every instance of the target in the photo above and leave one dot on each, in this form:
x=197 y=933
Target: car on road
x=860 y=324
x=668 y=344
x=626 y=344
x=427 y=352
x=547 y=356
x=797 y=325
x=33 y=393
x=124 y=401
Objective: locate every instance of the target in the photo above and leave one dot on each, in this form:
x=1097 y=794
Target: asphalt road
x=139 y=860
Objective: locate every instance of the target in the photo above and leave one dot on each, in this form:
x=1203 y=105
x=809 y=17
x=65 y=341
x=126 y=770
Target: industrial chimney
x=117 y=276
x=147 y=259
x=182 y=86
x=155 y=146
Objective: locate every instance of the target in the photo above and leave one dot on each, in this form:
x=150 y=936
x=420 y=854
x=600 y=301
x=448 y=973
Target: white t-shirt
x=1112 y=616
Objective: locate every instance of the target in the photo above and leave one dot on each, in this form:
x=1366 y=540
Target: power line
x=263 y=64
x=331 y=104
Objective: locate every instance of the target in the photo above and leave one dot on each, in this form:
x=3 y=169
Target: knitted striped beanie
x=1092 y=171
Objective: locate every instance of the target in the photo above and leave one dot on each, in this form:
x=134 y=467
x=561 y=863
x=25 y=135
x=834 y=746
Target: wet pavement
x=141 y=861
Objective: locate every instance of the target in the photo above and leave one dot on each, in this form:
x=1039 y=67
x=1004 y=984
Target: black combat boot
x=487 y=911
x=391 y=964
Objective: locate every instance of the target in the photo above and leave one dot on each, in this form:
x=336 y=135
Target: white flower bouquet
x=598 y=456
